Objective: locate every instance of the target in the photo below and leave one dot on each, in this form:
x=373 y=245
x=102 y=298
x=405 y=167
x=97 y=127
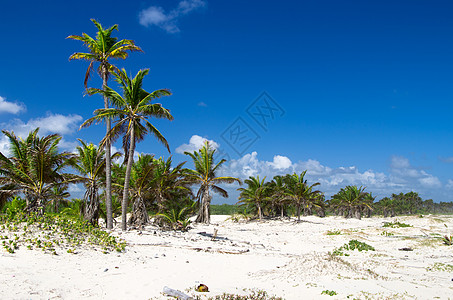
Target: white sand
x=285 y=258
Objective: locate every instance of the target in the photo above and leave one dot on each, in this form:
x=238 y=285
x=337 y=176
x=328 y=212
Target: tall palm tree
x=204 y=174
x=302 y=194
x=101 y=49
x=34 y=169
x=90 y=164
x=256 y=193
x=129 y=112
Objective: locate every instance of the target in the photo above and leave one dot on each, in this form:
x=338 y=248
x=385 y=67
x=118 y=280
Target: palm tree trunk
x=139 y=215
x=108 y=158
x=203 y=212
x=298 y=211
x=260 y=213
x=127 y=179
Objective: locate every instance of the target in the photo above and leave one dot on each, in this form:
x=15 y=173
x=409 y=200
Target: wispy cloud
x=10 y=107
x=156 y=15
x=202 y=104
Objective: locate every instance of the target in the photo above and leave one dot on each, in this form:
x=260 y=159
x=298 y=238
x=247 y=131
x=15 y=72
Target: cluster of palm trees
x=292 y=193
x=38 y=171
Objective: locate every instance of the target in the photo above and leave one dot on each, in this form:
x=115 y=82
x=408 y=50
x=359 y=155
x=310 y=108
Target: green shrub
x=330 y=293
x=352 y=245
x=396 y=224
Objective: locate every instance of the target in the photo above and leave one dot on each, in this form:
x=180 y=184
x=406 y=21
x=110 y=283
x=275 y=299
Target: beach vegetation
x=329 y=293
x=396 y=224
x=448 y=240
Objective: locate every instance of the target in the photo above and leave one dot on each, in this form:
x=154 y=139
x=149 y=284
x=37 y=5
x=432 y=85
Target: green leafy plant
x=396 y=224
x=440 y=267
x=253 y=295
x=176 y=219
x=386 y=233
x=333 y=232
x=448 y=240
x=352 y=245
x=330 y=293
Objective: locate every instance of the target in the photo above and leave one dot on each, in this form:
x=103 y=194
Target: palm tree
x=350 y=200
x=205 y=175
x=129 y=111
x=279 y=196
x=256 y=193
x=101 y=49
x=34 y=168
x=59 y=194
x=90 y=164
x=139 y=190
x=302 y=194
x=167 y=180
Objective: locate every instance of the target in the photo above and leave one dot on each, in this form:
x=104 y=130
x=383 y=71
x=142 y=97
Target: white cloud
x=202 y=104
x=10 y=107
x=52 y=123
x=281 y=162
x=195 y=143
x=156 y=15
x=402 y=176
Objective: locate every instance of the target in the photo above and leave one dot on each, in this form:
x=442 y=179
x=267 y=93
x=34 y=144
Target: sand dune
x=283 y=257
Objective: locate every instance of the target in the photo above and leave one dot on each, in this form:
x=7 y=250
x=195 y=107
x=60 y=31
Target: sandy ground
x=283 y=257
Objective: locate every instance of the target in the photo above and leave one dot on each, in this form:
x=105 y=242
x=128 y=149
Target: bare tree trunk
x=298 y=212
x=260 y=213
x=139 y=216
x=203 y=212
x=108 y=158
x=91 y=211
x=281 y=210
x=127 y=180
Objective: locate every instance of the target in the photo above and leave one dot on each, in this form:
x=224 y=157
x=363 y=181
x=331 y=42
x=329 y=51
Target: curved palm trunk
x=127 y=180
x=203 y=212
x=108 y=159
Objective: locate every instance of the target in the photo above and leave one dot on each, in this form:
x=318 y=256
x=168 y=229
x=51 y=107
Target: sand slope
x=285 y=258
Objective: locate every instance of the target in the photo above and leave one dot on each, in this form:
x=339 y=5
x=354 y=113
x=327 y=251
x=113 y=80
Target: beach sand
x=285 y=258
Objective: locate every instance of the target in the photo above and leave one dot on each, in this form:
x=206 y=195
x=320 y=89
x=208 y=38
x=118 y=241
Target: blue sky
x=357 y=92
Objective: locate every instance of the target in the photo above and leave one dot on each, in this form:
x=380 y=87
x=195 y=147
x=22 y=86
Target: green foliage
x=333 y=232
x=253 y=295
x=177 y=219
x=386 y=233
x=49 y=232
x=224 y=209
x=330 y=293
x=13 y=207
x=396 y=224
x=352 y=245
x=448 y=240
x=440 y=267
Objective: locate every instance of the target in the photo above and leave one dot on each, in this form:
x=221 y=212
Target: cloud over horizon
x=156 y=15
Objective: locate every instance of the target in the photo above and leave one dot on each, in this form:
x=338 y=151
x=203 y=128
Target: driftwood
x=175 y=293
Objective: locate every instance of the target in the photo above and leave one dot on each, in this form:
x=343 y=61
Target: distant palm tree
x=129 y=111
x=90 y=164
x=103 y=48
x=34 y=169
x=256 y=193
x=302 y=194
x=205 y=175
x=279 y=195
x=350 y=201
